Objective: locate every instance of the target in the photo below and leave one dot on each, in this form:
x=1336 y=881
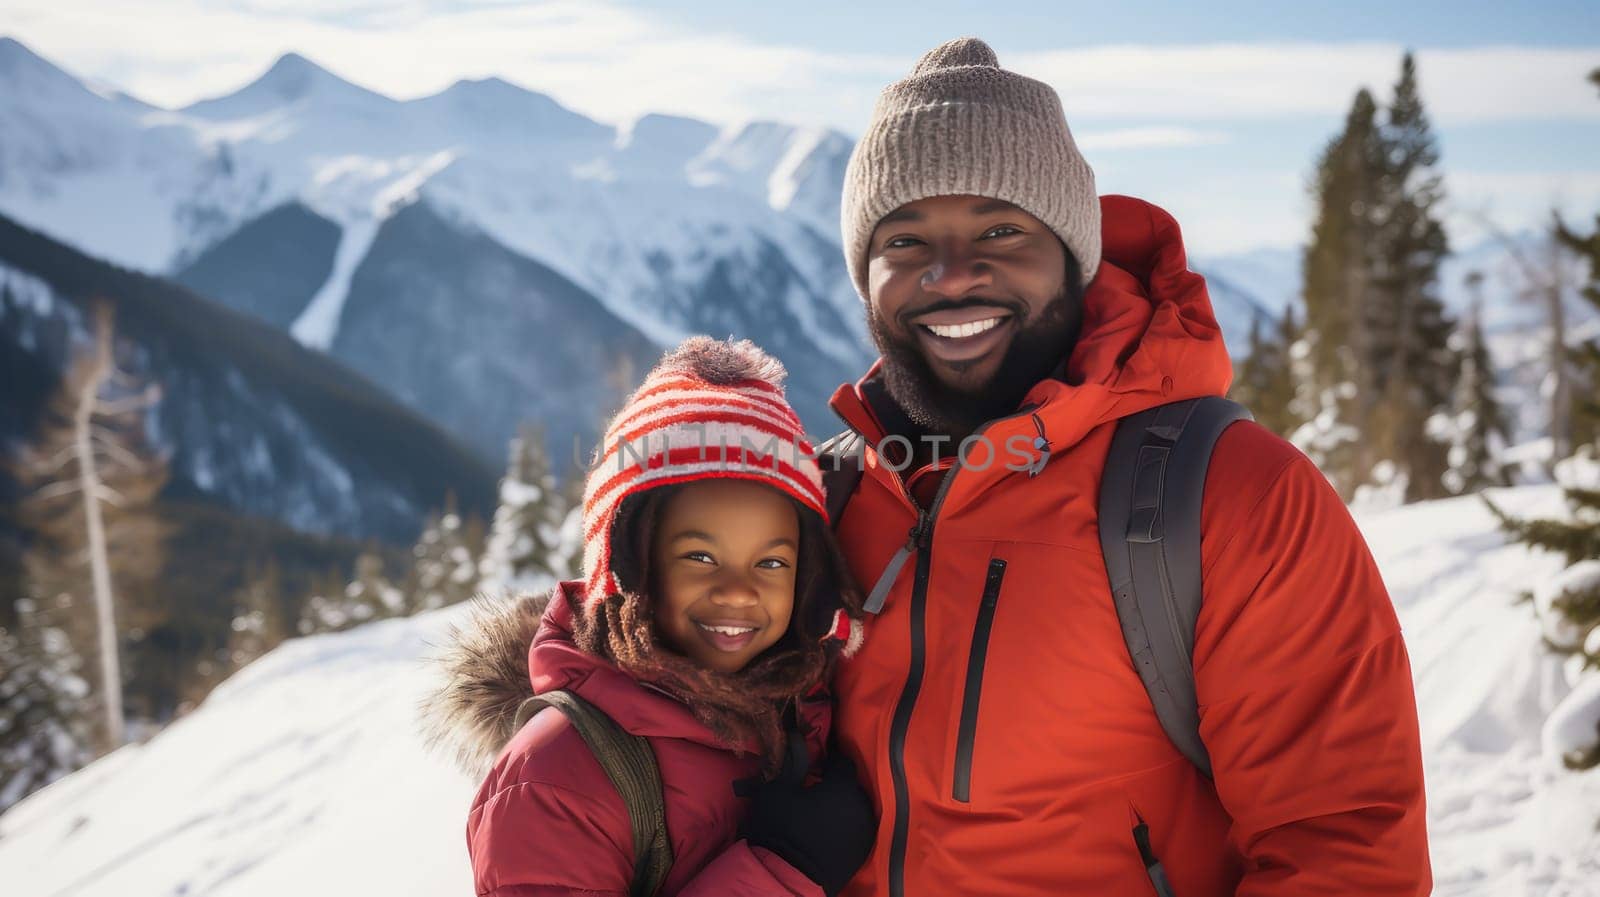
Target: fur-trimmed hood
x=507 y=651
x=484 y=666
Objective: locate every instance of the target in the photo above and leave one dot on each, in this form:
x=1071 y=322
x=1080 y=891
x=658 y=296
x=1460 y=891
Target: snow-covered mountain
x=284 y=198
x=274 y=198
x=253 y=421
x=670 y=226
x=304 y=772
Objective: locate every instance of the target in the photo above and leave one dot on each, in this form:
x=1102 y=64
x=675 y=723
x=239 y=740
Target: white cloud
x=1261 y=81
x=1220 y=212
x=609 y=63
x=1155 y=137
x=613 y=63
x=1517 y=200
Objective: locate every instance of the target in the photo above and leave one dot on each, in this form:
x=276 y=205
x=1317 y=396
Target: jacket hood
x=484 y=671
x=506 y=652
x=1149 y=336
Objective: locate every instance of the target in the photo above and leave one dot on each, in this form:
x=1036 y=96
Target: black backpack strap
x=842 y=459
x=1150 y=496
x=631 y=766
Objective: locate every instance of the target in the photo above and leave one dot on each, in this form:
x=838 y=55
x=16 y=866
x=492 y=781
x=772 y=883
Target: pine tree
x=1266 y=380
x=1586 y=357
x=1340 y=393
x=1408 y=330
x=522 y=551
x=90 y=478
x=321 y=609
x=1476 y=429
x=444 y=561
x=1576 y=537
x=569 y=543
x=1250 y=374
x=46 y=711
x=257 y=618
x=1376 y=331
x=369 y=596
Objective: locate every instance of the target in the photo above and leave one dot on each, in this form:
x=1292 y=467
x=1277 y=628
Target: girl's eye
x=699 y=557
x=772 y=563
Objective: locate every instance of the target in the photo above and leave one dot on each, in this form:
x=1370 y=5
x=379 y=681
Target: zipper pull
x=891 y=572
x=1041 y=444
x=1152 y=866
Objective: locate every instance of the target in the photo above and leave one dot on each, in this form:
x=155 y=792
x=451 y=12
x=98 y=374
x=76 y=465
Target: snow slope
x=303 y=773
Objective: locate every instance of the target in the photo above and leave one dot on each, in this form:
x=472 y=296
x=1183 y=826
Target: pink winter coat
x=547 y=822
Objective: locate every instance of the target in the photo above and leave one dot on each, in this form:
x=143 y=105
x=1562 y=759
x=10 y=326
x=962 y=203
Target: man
x=993 y=712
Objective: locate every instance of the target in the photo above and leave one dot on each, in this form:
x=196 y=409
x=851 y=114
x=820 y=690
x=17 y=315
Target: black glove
x=825 y=831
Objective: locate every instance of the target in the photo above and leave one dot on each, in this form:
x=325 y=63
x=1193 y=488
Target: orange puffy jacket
x=994 y=712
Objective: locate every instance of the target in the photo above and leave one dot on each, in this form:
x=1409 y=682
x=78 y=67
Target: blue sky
x=1214 y=110
x=903 y=28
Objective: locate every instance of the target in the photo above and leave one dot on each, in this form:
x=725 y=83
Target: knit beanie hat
x=960 y=124
x=711 y=409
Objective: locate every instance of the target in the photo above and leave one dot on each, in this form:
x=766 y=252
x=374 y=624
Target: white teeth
x=957 y=331
x=727 y=630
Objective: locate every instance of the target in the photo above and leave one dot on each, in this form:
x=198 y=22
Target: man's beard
x=1036 y=349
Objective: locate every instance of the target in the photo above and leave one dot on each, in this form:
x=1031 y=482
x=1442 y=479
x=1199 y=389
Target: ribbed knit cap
x=960 y=124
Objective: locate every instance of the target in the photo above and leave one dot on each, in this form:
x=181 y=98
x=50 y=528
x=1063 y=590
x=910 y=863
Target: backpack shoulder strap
x=631 y=766
x=842 y=459
x=1150 y=496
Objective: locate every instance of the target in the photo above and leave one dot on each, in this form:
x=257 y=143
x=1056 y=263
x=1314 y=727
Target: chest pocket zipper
x=962 y=787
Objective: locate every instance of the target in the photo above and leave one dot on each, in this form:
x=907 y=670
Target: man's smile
x=960 y=336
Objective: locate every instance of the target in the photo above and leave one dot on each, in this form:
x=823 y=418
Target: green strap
x=631 y=766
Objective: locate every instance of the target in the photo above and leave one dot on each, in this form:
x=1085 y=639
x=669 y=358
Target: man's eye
x=901 y=243
x=1004 y=230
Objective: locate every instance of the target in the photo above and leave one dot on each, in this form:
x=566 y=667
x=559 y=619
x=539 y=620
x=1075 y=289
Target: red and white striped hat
x=711 y=409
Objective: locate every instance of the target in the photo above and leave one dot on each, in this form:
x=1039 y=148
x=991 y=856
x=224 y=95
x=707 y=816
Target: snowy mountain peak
x=13 y=53
x=656 y=145
x=291 y=79
x=26 y=74
x=497 y=106
x=293 y=75
x=675 y=132
x=491 y=88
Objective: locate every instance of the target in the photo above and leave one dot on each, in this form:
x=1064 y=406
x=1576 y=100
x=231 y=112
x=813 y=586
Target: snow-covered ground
x=304 y=773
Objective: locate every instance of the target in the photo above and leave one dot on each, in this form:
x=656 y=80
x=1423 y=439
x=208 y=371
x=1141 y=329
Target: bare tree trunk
x=99 y=564
x=1561 y=392
x=1546 y=284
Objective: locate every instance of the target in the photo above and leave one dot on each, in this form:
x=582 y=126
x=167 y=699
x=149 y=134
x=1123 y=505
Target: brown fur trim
x=484 y=666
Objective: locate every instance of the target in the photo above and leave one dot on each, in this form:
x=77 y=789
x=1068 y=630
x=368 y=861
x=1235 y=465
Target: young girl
x=713 y=607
